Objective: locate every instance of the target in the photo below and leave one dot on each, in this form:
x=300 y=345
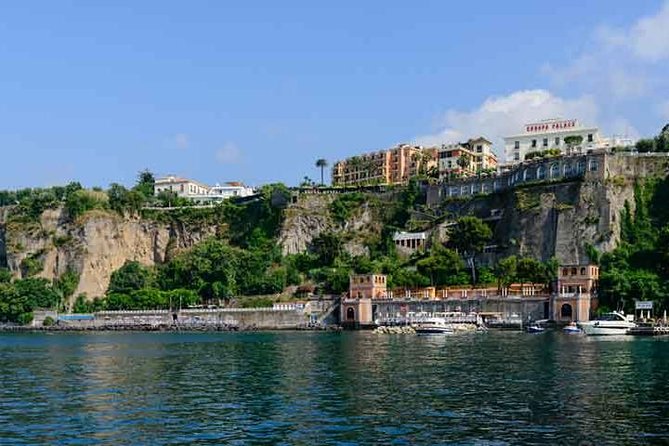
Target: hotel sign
x=552 y=125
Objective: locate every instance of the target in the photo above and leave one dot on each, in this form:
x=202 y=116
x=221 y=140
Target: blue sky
x=256 y=91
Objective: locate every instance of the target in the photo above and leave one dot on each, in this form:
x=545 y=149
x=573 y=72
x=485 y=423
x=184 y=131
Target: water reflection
x=326 y=388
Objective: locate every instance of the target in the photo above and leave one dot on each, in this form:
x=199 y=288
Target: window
x=516 y=156
x=583 y=271
x=479 y=149
x=557 y=141
x=590 y=139
x=565 y=272
x=573 y=271
x=545 y=144
x=534 y=143
x=516 y=145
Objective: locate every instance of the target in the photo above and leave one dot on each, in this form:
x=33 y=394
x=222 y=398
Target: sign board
x=643 y=305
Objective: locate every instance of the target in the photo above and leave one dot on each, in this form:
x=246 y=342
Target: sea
x=329 y=388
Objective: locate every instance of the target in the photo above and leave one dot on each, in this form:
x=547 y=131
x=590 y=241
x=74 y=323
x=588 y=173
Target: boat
x=613 y=323
x=432 y=325
x=571 y=328
x=534 y=328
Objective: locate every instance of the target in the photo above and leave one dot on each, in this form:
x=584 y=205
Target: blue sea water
x=309 y=388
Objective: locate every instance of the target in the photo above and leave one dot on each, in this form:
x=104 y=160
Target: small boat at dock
x=571 y=328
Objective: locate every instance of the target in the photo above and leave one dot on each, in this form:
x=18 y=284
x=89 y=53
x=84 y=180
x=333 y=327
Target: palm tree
x=322 y=163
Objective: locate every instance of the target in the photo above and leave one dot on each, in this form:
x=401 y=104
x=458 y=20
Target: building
x=408 y=242
x=198 y=192
x=551 y=134
x=466 y=158
x=183 y=187
x=576 y=295
x=393 y=166
x=357 y=309
x=370 y=286
x=218 y=193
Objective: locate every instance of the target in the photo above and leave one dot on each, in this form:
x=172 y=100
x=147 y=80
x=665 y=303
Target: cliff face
x=94 y=247
x=540 y=220
x=310 y=216
x=562 y=219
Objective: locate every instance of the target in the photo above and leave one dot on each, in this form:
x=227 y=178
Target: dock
x=649 y=330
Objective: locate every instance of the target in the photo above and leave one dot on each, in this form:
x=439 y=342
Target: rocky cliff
x=541 y=219
x=94 y=246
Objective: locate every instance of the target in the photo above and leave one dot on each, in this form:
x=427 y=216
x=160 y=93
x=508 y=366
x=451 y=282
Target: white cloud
x=505 y=115
x=620 y=64
x=181 y=140
x=647 y=38
x=228 y=154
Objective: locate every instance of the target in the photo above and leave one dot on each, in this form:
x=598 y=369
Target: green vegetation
x=18 y=299
x=638 y=269
x=543 y=153
x=322 y=163
x=344 y=205
x=658 y=144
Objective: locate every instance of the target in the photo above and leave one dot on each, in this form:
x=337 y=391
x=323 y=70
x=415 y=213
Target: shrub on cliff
x=84 y=200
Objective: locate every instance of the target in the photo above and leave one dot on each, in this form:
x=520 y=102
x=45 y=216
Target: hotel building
x=466 y=158
x=393 y=166
x=550 y=134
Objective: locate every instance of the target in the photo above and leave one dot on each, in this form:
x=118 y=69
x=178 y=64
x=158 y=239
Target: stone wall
x=261 y=318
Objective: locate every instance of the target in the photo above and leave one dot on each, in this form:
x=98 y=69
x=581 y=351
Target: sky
x=257 y=91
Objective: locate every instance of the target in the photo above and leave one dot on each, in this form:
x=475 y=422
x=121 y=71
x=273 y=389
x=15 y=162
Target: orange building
x=392 y=166
x=576 y=294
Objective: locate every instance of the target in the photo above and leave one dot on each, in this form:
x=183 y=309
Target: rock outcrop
x=95 y=246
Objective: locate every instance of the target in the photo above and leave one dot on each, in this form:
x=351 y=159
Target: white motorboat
x=571 y=328
x=613 y=323
x=433 y=325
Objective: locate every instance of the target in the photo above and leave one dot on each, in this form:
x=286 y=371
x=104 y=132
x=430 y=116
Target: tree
x=322 y=164
x=572 y=141
x=132 y=276
x=505 y=272
x=464 y=161
x=145 y=183
x=469 y=236
x=442 y=266
x=645 y=145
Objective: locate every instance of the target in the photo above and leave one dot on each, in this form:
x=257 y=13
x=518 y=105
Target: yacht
x=432 y=325
x=613 y=323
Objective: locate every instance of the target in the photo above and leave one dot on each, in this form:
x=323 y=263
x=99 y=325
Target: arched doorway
x=565 y=311
x=350 y=314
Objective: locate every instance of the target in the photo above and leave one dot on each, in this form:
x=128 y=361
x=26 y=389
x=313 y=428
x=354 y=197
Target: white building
x=550 y=134
x=227 y=190
x=410 y=241
x=199 y=192
x=183 y=187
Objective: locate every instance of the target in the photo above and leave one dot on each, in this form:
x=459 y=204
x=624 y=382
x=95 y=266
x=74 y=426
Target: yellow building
x=393 y=166
x=466 y=158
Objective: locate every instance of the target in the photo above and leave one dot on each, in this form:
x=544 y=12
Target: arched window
x=541 y=173
x=567 y=169
x=565 y=311
x=593 y=165
x=580 y=167
x=554 y=170
x=350 y=314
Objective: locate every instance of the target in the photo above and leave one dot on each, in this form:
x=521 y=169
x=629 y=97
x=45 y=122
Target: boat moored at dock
x=613 y=323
